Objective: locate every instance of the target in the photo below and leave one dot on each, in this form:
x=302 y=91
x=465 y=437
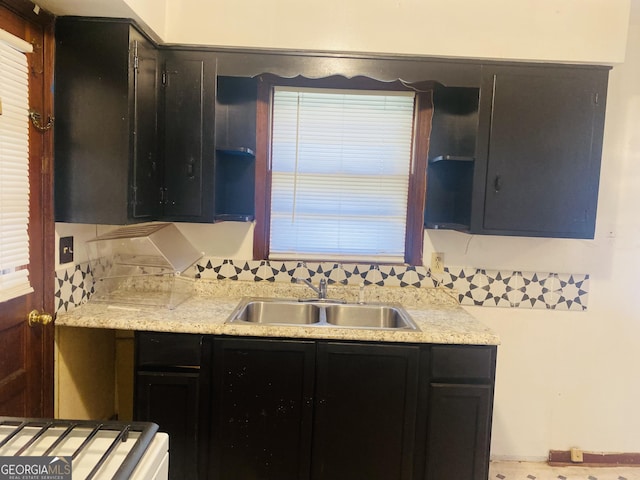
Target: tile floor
x=503 y=470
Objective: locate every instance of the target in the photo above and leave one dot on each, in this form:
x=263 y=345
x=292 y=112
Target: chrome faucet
x=321 y=289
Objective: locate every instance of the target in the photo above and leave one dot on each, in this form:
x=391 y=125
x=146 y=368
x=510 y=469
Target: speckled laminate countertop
x=435 y=312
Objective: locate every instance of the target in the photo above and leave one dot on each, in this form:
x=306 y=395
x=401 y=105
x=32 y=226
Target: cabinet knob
x=191 y=168
x=497 y=183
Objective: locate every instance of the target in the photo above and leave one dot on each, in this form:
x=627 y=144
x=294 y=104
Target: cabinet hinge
x=136 y=60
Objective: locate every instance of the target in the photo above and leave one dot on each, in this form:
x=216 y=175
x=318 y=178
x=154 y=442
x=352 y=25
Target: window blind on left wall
x=14 y=168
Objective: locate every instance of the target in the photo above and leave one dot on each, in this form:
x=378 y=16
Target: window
x=14 y=168
x=339 y=172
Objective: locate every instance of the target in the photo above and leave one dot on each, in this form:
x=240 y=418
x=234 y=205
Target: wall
x=85 y=373
x=152 y=12
x=564 y=378
x=569 y=379
x=591 y=31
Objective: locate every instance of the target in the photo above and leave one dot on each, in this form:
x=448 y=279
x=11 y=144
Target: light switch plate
x=66 y=250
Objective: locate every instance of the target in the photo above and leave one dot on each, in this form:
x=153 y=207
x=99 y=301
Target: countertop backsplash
x=404 y=284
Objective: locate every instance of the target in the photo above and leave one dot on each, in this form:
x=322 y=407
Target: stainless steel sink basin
x=276 y=312
x=273 y=311
x=368 y=316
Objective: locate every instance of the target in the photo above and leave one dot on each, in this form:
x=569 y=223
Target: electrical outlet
x=66 y=250
x=437 y=262
x=576 y=455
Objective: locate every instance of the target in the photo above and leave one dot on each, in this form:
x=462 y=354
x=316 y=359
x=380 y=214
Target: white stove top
x=131 y=451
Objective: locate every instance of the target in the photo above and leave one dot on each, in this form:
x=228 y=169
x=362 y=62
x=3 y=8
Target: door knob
x=36 y=317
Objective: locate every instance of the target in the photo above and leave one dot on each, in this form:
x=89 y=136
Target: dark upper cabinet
x=145 y=134
x=539 y=146
x=235 y=148
x=145 y=168
x=451 y=158
x=187 y=109
x=519 y=156
x=106 y=129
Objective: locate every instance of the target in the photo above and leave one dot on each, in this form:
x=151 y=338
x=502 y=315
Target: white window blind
x=340 y=173
x=14 y=169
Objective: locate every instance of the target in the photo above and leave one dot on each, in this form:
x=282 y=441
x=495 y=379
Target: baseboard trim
x=563 y=458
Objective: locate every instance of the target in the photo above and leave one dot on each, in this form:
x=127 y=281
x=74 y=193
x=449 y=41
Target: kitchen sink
x=278 y=312
x=367 y=316
x=273 y=311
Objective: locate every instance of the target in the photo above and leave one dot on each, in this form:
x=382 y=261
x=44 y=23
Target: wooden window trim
x=414 y=237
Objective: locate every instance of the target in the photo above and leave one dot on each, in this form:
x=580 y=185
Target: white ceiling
x=148 y=14
x=86 y=8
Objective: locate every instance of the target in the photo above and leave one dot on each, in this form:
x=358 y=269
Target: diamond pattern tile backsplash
x=474 y=286
x=74 y=286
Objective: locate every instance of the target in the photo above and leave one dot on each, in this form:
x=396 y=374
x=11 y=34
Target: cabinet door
x=189 y=81
x=144 y=170
x=170 y=399
x=93 y=121
x=458 y=432
x=262 y=395
x=364 y=426
x=539 y=149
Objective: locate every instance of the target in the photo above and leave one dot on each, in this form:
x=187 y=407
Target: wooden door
x=26 y=353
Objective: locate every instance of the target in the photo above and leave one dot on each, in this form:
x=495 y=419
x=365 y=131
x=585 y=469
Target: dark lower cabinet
x=261 y=409
x=171 y=400
x=458 y=431
x=167 y=392
x=365 y=413
x=266 y=423
x=459 y=407
x=287 y=409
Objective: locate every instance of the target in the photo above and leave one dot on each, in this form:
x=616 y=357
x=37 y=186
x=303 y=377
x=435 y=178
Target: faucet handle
x=361 y=293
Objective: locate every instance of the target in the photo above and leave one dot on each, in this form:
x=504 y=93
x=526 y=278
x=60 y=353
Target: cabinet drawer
x=462 y=362
x=155 y=349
